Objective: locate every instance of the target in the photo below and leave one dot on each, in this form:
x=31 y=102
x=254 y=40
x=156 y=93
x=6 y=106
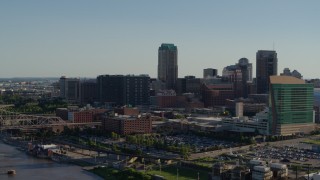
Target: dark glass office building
x=168 y=65
x=266 y=66
x=124 y=90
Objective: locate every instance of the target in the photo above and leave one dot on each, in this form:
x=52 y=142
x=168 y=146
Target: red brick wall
x=141 y=125
x=127 y=111
x=83 y=117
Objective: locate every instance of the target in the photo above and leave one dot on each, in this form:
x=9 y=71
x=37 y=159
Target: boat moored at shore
x=11 y=172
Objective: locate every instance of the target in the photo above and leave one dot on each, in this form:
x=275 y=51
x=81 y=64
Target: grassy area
x=204 y=164
x=207 y=159
x=105 y=173
x=170 y=173
x=310 y=141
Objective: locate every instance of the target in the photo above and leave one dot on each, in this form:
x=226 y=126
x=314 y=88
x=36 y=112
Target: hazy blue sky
x=91 y=37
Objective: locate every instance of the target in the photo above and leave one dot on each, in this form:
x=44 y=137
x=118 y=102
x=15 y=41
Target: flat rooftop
x=285 y=80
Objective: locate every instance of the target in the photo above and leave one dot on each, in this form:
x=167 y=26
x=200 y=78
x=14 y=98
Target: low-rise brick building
x=77 y=115
x=127 y=111
x=123 y=124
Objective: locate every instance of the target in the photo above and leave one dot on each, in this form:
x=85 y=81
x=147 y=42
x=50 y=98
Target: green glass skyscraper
x=291 y=106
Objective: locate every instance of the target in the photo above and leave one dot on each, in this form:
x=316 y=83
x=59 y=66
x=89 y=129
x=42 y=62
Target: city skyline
x=81 y=38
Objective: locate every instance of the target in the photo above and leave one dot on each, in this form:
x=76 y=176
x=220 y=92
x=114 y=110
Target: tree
x=185 y=152
x=114 y=136
x=115 y=148
x=67 y=130
x=179 y=116
x=226 y=113
x=138 y=151
x=91 y=143
x=252 y=141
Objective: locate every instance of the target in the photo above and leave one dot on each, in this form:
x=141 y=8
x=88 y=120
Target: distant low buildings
x=169 y=99
x=315 y=82
x=245 y=125
x=249 y=106
x=217 y=94
x=188 y=84
x=196 y=124
x=255 y=170
x=210 y=72
x=239 y=74
x=294 y=73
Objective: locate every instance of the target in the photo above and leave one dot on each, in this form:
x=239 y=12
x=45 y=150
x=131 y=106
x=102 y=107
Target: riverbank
x=108 y=166
x=37 y=168
x=74 y=157
x=84 y=159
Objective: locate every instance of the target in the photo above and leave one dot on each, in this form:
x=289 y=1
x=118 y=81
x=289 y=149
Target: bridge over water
x=13 y=120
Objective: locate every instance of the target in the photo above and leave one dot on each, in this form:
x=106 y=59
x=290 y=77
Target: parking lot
x=283 y=153
x=200 y=143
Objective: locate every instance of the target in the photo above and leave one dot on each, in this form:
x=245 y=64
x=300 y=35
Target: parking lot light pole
x=308 y=171
x=177 y=173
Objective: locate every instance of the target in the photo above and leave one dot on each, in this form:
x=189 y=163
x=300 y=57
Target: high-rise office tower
x=246 y=68
x=209 y=72
x=69 y=88
x=88 y=92
x=246 y=71
x=266 y=66
x=168 y=65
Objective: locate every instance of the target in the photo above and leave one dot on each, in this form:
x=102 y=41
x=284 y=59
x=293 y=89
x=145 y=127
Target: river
x=28 y=167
